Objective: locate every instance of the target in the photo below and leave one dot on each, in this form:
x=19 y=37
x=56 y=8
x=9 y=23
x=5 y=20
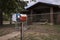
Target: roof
x=53 y=2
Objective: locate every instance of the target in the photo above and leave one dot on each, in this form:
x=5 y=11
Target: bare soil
x=41 y=32
x=6 y=29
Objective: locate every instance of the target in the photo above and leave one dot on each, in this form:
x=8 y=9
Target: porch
x=43 y=13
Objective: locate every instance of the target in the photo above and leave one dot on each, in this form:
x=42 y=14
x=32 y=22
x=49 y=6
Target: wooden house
x=44 y=11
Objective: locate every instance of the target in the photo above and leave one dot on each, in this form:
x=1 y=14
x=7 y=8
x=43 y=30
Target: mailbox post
x=19 y=18
x=23 y=18
x=22 y=31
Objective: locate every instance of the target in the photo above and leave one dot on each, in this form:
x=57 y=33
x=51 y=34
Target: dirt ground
x=45 y=29
x=41 y=32
x=6 y=29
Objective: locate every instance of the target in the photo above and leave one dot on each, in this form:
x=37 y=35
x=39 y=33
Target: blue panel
x=18 y=17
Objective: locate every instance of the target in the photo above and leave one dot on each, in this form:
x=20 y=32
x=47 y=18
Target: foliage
x=11 y=5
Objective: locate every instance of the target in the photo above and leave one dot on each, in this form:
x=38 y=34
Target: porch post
x=51 y=16
x=31 y=16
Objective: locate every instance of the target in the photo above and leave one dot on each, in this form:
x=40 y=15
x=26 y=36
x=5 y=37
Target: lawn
x=6 y=29
x=41 y=32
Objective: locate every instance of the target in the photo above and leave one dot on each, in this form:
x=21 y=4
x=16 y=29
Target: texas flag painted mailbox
x=23 y=17
x=19 y=17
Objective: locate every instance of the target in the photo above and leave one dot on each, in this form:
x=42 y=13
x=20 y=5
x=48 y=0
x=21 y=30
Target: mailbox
x=23 y=17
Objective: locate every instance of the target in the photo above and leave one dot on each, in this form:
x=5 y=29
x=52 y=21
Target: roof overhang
x=33 y=4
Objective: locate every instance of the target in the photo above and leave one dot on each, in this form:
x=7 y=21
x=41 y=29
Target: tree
x=9 y=6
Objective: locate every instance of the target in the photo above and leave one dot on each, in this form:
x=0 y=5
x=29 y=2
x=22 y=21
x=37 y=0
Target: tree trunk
x=1 y=18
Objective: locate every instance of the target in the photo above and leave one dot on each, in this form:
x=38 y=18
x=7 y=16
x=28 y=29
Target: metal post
x=22 y=31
